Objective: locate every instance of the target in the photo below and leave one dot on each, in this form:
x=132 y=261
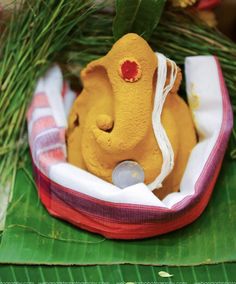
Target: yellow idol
x=112 y=119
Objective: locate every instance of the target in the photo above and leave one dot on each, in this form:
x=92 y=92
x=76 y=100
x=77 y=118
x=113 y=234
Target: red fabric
x=207 y=4
x=42 y=124
x=48 y=158
x=39 y=100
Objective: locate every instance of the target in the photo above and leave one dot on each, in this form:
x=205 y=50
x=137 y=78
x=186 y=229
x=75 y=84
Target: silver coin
x=127 y=173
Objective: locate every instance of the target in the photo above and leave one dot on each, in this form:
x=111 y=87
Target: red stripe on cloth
x=42 y=124
x=39 y=100
x=62 y=132
x=50 y=157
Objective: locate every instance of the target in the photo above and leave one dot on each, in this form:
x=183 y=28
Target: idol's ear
x=178 y=79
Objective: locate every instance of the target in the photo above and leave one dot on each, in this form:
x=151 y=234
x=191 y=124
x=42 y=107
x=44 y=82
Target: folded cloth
x=89 y=202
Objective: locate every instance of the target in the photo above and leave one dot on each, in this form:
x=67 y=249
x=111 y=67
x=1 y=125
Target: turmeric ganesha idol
x=129 y=125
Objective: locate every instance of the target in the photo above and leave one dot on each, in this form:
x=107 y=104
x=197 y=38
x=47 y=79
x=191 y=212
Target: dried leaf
x=165 y=274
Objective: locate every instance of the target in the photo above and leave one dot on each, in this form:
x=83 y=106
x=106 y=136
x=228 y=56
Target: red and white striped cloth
x=91 y=203
x=47 y=122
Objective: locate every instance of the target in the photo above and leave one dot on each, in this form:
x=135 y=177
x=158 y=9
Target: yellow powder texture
x=111 y=120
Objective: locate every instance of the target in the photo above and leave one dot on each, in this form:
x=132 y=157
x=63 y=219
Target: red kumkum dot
x=130 y=70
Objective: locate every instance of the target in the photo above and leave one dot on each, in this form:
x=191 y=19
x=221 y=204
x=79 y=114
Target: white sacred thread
x=159 y=131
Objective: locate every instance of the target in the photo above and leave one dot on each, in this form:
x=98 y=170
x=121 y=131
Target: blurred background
x=225 y=16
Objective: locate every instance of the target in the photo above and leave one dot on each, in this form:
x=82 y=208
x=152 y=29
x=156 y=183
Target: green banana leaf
x=137 y=16
x=225 y=273
x=32 y=236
